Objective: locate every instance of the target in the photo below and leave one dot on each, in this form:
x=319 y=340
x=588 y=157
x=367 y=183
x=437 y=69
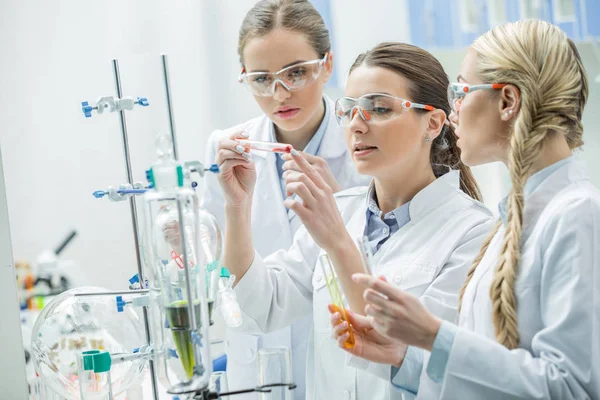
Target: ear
x=328 y=67
x=435 y=123
x=509 y=103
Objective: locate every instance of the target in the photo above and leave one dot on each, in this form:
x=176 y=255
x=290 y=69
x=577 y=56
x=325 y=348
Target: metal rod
x=165 y=66
x=133 y=209
x=113 y=293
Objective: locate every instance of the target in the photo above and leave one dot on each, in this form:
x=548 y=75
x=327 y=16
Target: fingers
x=358 y=321
x=331 y=308
x=304 y=166
x=340 y=329
x=373 y=297
x=290 y=165
x=299 y=184
x=379 y=285
x=231 y=150
x=241 y=134
x=372 y=310
x=297 y=207
x=342 y=340
x=312 y=160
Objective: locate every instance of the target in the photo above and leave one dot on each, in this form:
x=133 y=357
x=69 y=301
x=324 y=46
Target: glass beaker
x=274 y=367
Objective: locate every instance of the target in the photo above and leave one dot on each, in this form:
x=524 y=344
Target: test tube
x=336 y=296
x=365 y=253
x=266 y=146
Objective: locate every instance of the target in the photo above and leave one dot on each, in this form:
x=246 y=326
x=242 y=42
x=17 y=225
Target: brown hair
x=428 y=85
x=293 y=15
x=544 y=64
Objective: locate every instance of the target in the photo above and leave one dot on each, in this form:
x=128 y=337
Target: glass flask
x=78 y=320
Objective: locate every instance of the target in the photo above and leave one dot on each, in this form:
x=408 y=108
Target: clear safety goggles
x=374 y=107
x=458 y=91
x=292 y=78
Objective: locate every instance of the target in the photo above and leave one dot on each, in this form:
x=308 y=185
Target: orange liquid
x=350 y=342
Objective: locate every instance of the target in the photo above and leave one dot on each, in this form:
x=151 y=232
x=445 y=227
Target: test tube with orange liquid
x=271 y=147
x=336 y=297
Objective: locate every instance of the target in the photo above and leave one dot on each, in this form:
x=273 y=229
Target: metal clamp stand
x=120 y=104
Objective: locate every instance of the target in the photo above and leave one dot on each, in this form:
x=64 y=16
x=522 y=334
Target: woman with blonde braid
x=529 y=324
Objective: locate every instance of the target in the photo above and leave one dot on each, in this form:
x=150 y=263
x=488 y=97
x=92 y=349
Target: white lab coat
x=428 y=257
x=273 y=228
x=558 y=300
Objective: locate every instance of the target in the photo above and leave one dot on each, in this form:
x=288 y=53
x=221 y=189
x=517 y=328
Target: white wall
x=56 y=54
x=363 y=26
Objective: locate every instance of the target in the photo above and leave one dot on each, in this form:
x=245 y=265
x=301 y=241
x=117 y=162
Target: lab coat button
x=397 y=279
x=347 y=395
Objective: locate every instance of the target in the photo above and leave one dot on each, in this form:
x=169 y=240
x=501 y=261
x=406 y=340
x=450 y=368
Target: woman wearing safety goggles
x=529 y=310
x=419 y=217
x=286 y=58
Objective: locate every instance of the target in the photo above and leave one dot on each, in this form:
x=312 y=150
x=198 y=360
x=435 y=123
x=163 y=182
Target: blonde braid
x=544 y=65
x=526 y=144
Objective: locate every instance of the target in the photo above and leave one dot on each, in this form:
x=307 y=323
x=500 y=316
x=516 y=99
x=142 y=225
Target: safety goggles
x=374 y=107
x=292 y=78
x=458 y=91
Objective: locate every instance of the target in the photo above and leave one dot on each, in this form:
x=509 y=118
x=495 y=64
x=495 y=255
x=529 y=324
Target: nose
x=357 y=124
x=280 y=93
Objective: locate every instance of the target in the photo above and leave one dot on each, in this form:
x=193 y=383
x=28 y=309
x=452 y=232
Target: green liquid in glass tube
x=180 y=325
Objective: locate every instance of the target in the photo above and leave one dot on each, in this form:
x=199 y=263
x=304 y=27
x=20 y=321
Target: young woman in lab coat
x=287 y=40
x=422 y=228
x=529 y=325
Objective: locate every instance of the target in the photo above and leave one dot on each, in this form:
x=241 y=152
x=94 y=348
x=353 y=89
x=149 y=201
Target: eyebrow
x=284 y=67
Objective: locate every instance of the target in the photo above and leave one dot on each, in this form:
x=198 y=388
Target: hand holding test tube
x=336 y=296
x=265 y=146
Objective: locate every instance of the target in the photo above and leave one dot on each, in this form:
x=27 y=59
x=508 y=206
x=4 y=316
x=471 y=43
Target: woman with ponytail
x=420 y=215
x=529 y=322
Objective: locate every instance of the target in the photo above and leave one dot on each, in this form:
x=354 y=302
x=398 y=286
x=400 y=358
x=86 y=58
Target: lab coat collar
x=332 y=144
x=434 y=195
x=541 y=187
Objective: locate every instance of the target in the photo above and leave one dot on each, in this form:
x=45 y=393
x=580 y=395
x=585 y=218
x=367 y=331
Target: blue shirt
x=311 y=148
x=407 y=377
x=379 y=227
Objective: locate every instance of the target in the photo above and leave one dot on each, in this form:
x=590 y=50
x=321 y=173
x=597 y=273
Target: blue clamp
x=136 y=350
x=143 y=101
x=173 y=353
x=134 y=279
x=196 y=338
x=99 y=194
x=120 y=304
x=87 y=109
x=213 y=168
